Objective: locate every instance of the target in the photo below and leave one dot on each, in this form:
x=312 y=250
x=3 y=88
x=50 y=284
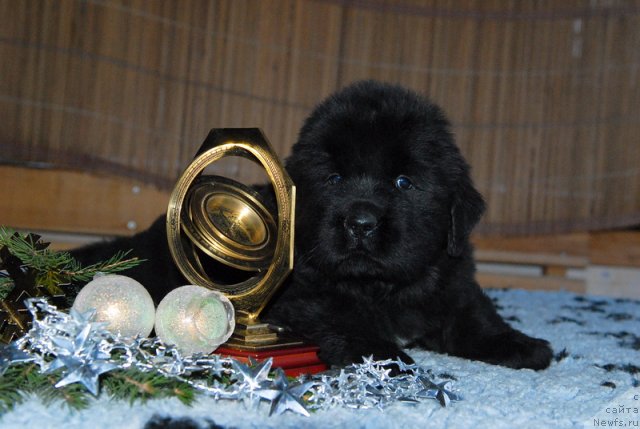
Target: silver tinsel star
x=85 y=318
x=285 y=396
x=405 y=367
x=12 y=354
x=378 y=369
x=438 y=391
x=85 y=370
x=78 y=346
x=216 y=366
x=254 y=374
x=251 y=377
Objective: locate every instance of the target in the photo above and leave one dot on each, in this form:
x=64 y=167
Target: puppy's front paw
x=516 y=350
x=354 y=352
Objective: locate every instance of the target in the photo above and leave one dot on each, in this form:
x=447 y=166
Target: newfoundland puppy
x=382 y=255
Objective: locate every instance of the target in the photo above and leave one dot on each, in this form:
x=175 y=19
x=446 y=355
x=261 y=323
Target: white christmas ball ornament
x=195 y=319
x=120 y=301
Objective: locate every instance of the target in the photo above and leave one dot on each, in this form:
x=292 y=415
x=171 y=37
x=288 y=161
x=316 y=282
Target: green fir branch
x=22 y=380
x=11 y=388
x=54 y=268
x=24 y=249
x=134 y=385
x=131 y=385
x=118 y=262
x=75 y=396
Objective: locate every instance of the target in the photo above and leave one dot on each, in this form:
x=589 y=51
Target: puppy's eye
x=334 y=179
x=403 y=183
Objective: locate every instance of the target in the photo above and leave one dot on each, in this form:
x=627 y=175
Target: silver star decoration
x=251 y=378
x=66 y=348
x=217 y=368
x=85 y=370
x=405 y=367
x=438 y=391
x=84 y=318
x=285 y=396
x=344 y=378
x=11 y=354
x=378 y=369
x=213 y=364
x=254 y=374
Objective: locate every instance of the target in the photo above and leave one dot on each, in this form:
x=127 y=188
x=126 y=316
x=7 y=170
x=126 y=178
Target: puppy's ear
x=466 y=209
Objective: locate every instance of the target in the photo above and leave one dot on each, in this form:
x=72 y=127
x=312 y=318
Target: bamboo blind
x=544 y=96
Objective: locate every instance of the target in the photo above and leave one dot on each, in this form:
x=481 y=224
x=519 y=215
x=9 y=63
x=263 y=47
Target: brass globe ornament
x=213 y=219
x=226 y=220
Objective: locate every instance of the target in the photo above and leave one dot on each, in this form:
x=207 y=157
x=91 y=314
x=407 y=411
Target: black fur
x=382 y=255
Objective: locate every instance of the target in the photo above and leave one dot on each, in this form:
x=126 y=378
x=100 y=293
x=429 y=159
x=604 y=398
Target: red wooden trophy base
x=294 y=360
x=261 y=341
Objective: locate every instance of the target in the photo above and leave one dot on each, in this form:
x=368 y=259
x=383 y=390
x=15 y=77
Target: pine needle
x=118 y=262
x=55 y=269
x=132 y=385
x=135 y=385
x=11 y=389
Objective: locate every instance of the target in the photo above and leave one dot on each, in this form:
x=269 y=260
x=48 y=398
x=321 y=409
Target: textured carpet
x=593 y=382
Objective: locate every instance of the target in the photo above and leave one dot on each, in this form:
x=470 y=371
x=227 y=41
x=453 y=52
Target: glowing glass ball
x=195 y=319
x=121 y=301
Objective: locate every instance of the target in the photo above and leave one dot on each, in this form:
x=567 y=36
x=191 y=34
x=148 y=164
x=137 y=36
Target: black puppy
x=382 y=254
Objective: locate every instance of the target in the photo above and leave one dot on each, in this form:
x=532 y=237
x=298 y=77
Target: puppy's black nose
x=361 y=224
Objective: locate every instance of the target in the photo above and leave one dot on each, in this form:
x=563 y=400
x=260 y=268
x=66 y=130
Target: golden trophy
x=215 y=221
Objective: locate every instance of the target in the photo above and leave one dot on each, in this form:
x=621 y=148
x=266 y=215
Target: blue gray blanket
x=593 y=382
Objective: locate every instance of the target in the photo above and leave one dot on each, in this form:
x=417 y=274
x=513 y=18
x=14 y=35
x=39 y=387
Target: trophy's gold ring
x=248 y=238
x=229 y=223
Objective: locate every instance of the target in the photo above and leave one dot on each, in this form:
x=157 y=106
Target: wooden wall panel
x=543 y=96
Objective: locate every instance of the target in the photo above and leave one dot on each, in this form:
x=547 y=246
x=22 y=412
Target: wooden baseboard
x=71 y=201
x=501 y=281
x=602 y=263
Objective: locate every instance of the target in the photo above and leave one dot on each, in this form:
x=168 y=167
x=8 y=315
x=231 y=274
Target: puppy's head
x=383 y=191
